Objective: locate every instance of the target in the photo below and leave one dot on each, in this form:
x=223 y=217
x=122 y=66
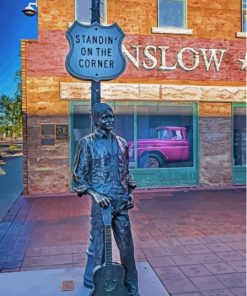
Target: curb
x=144 y=190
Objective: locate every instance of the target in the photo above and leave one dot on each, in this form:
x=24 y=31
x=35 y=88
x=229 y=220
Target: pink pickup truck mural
x=170 y=145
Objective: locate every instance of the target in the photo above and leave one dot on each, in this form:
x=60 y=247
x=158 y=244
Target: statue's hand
x=131 y=202
x=79 y=193
x=100 y=199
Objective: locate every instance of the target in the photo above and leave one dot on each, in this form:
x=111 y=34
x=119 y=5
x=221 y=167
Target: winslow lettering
x=188 y=59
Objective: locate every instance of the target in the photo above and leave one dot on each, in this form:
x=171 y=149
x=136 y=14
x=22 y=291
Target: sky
x=14 y=26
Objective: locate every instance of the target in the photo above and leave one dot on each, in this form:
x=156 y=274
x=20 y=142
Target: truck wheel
x=151 y=161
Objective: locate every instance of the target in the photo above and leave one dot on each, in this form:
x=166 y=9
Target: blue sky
x=14 y=26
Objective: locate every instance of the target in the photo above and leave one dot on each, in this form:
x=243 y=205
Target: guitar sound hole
x=110 y=285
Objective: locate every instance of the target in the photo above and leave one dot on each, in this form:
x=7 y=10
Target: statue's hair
x=98 y=110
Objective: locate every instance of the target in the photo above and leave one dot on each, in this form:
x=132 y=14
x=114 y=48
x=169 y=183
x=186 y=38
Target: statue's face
x=106 y=120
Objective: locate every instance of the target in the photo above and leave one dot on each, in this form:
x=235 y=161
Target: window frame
x=242 y=15
x=173 y=30
x=242 y=34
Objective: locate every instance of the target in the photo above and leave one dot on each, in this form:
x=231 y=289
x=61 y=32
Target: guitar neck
x=108 y=246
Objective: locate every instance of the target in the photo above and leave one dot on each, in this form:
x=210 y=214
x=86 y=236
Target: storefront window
x=124 y=121
x=81 y=123
x=157 y=136
x=162 y=139
x=83 y=10
x=239 y=136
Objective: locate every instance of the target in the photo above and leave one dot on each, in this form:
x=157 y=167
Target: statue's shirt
x=101 y=163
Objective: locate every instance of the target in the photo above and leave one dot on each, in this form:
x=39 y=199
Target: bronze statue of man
x=101 y=170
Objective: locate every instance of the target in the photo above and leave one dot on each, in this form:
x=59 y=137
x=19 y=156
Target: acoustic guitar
x=109 y=279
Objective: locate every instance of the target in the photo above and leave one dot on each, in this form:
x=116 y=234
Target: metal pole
x=95 y=11
x=95 y=85
x=95 y=98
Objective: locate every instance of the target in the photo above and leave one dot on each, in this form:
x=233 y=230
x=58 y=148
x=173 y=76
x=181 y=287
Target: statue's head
x=103 y=116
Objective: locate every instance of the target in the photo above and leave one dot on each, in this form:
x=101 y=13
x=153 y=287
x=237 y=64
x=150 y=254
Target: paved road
x=10 y=184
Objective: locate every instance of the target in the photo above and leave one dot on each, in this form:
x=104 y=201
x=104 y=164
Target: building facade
x=183 y=89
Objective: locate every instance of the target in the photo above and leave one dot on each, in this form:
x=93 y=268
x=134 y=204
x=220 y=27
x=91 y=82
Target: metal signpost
x=95 y=52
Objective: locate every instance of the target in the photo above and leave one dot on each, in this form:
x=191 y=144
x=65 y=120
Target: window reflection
x=83 y=10
x=124 y=121
x=164 y=136
x=244 y=10
x=81 y=122
x=158 y=136
x=124 y=127
x=171 y=13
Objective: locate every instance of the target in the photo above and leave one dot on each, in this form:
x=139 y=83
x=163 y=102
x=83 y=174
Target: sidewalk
x=194 y=241
x=11 y=183
x=50 y=282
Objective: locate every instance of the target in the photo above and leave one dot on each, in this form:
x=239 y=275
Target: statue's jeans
x=122 y=233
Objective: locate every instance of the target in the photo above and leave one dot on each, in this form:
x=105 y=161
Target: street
x=10 y=184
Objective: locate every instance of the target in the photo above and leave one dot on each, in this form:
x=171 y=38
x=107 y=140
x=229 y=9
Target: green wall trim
x=238 y=175
x=172 y=177
x=71 y=143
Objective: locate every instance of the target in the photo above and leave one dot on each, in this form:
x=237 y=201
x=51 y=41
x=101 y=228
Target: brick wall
x=48 y=166
x=208 y=18
x=215 y=153
x=55 y=14
x=214 y=23
x=47 y=58
x=214 y=19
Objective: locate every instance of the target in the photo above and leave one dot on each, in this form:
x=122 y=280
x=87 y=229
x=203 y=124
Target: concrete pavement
x=193 y=240
x=50 y=282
